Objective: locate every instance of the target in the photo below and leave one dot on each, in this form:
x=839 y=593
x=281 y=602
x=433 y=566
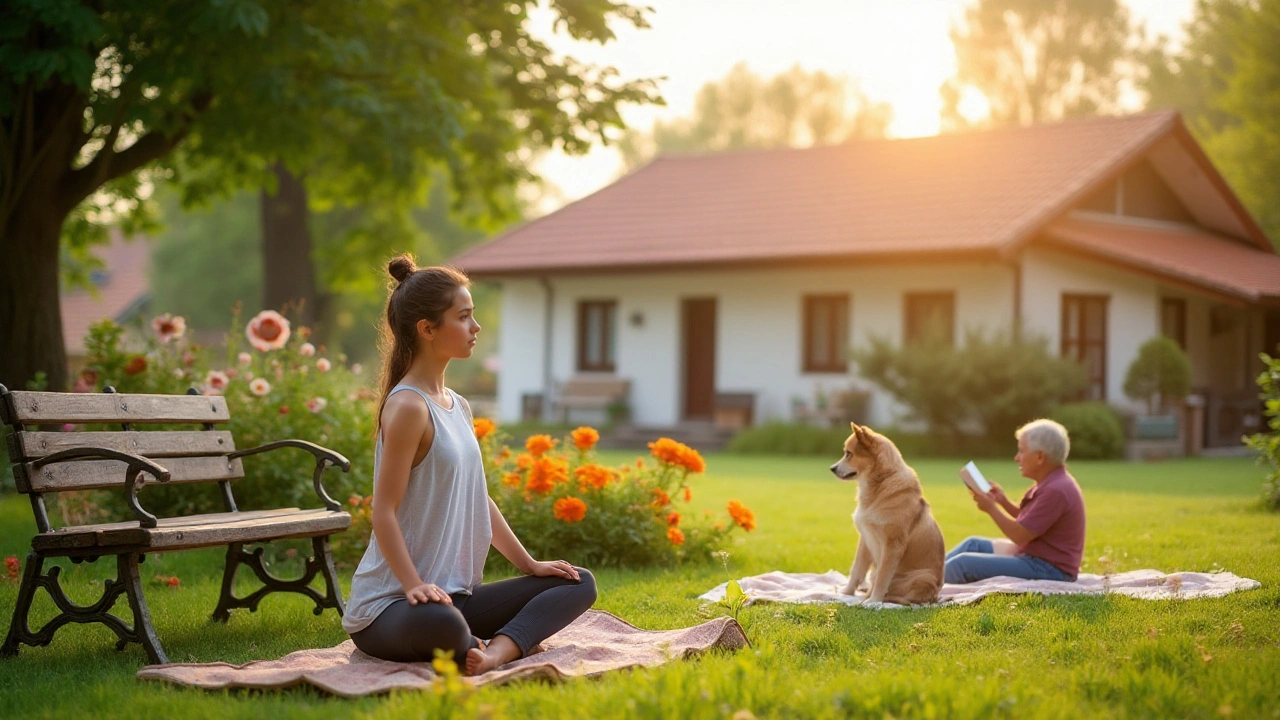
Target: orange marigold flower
x=585 y=438
x=511 y=479
x=569 y=509
x=524 y=461
x=688 y=494
x=483 y=427
x=505 y=454
x=675 y=535
x=673 y=519
x=671 y=452
x=538 y=444
x=545 y=473
x=660 y=498
x=742 y=515
x=595 y=476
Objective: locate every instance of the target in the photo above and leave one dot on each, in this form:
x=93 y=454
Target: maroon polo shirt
x=1053 y=511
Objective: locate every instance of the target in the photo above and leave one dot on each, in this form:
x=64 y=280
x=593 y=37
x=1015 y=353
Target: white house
x=753 y=272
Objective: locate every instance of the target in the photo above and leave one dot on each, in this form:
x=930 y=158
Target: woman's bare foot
x=500 y=651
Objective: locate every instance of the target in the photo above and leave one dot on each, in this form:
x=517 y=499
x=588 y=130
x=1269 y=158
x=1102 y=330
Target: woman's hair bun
x=401 y=267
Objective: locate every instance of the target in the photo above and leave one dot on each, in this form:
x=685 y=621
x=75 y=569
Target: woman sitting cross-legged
x=418 y=588
x=1045 y=531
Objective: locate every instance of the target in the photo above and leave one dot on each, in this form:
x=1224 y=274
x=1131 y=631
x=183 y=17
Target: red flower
x=284 y=409
x=173 y=582
x=673 y=519
x=675 y=535
x=12 y=566
x=136 y=364
x=660 y=498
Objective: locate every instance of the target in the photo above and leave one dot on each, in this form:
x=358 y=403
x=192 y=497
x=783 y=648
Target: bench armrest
x=324 y=458
x=135 y=465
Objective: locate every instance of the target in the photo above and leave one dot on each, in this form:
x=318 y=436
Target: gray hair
x=1048 y=437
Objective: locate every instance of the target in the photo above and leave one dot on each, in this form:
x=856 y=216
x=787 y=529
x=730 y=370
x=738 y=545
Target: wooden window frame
x=911 y=301
x=610 y=328
x=1077 y=349
x=837 y=332
x=1180 y=333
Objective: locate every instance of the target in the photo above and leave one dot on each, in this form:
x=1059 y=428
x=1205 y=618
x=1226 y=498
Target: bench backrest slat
x=595 y=387
x=96 y=474
x=41 y=408
x=30 y=445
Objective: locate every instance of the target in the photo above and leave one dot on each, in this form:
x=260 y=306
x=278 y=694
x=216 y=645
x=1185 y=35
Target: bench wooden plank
x=98 y=474
x=80 y=536
x=300 y=523
x=156 y=444
x=39 y=408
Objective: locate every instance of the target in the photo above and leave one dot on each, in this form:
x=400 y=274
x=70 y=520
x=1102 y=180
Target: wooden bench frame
x=45 y=462
x=592 y=392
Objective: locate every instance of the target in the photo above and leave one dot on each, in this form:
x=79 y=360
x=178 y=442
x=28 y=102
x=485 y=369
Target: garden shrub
x=778 y=438
x=280 y=387
x=1159 y=373
x=997 y=382
x=1095 y=429
x=1267 y=444
x=561 y=503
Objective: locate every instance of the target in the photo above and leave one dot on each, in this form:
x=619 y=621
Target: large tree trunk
x=30 y=312
x=288 y=275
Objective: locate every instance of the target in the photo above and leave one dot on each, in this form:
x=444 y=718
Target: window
x=826 y=333
x=1173 y=320
x=930 y=317
x=1084 y=338
x=597 y=335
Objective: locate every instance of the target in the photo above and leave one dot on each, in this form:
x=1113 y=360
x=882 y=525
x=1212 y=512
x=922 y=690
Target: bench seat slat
x=156 y=444
x=98 y=474
x=198 y=531
x=38 y=408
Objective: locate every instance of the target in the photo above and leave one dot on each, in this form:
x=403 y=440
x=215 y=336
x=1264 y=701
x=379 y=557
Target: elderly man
x=1045 y=531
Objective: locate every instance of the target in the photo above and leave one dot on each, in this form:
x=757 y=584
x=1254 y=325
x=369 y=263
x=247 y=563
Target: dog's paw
x=849 y=590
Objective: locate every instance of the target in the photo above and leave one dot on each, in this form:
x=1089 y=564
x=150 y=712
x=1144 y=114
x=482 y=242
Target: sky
x=899 y=51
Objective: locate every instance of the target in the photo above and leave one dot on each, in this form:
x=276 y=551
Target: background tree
x=1224 y=80
x=744 y=110
x=362 y=103
x=1038 y=60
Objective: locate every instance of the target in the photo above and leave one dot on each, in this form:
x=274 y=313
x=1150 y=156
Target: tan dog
x=897 y=535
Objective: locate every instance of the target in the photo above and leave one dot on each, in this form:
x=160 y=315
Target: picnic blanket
x=595 y=643
x=1145 y=584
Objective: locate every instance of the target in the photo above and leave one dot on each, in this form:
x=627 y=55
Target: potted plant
x=1160 y=376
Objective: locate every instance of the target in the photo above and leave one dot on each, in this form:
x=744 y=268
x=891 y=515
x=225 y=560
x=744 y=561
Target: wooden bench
x=127 y=459
x=589 y=392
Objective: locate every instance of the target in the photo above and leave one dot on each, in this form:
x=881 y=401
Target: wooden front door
x=698 y=338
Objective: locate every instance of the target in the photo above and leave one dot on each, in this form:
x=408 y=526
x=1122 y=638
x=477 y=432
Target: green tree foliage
x=361 y=101
x=1160 y=372
x=744 y=110
x=1095 y=428
x=1039 y=60
x=1224 y=80
x=1267 y=444
x=993 y=381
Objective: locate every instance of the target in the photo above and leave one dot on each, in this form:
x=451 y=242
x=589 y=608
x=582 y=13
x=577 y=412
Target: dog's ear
x=854 y=427
x=863 y=435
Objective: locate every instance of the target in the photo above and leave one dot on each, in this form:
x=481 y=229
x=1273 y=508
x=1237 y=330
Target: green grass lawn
x=1007 y=656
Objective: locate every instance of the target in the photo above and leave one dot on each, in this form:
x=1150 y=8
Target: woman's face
x=455 y=336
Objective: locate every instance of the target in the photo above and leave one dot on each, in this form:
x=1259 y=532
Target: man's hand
x=985 y=502
x=997 y=493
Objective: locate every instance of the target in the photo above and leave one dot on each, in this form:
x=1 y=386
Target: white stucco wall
x=758 y=331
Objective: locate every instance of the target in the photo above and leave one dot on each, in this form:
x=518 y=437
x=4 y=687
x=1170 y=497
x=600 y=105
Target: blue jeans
x=975 y=559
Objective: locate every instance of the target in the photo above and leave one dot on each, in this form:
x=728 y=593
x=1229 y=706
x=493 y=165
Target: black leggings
x=526 y=609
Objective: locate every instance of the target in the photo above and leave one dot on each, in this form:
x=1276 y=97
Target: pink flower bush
x=260 y=387
x=306 y=349
x=216 y=381
x=323 y=365
x=316 y=404
x=169 y=327
x=268 y=330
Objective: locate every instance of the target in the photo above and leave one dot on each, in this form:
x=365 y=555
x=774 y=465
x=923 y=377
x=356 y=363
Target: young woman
x=418 y=588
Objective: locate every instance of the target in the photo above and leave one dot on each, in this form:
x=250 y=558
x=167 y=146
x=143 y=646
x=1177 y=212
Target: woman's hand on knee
x=427 y=592
x=554 y=568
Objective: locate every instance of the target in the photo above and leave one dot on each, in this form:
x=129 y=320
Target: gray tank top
x=444 y=516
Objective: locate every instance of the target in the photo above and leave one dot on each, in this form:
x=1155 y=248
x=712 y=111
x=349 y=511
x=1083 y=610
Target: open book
x=972 y=477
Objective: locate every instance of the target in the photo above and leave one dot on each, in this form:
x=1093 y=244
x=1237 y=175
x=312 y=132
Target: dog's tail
x=915 y=588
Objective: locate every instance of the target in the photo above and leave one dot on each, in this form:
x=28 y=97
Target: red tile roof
x=125 y=284
x=1182 y=254
x=964 y=193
